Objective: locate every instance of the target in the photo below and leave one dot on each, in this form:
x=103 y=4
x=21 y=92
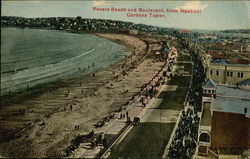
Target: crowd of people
x=184 y=141
x=195 y=92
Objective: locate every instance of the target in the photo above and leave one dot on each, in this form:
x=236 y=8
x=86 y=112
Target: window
x=211 y=72
x=240 y=75
x=231 y=74
x=217 y=73
x=213 y=91
x=209 y=91
x=228 y=73
x=205 y=91
x=245 y=110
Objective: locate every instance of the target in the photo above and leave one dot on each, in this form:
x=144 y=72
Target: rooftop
x=231 y=100
x=225 y=62
x=230 y=105
x=234 y=92
x=209 y=83
x=220 y=61
x=245 y=82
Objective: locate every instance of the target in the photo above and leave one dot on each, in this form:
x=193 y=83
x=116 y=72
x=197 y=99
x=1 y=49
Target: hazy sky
x=215 y=15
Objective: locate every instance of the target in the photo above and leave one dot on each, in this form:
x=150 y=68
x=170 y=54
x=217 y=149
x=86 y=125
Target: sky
x=215 y=15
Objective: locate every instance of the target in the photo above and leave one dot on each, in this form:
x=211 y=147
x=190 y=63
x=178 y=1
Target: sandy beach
x=47 y=127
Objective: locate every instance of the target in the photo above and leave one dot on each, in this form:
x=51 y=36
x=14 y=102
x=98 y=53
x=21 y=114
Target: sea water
x=31 y=57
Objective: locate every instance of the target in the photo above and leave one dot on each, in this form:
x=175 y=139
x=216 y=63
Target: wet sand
x=47 y=127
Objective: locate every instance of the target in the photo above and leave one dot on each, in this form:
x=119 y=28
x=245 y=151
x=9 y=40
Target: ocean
x=31 y=57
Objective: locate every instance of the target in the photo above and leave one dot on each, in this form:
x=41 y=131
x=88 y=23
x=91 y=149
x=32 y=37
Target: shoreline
x=23 y=94
x=50 y=115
